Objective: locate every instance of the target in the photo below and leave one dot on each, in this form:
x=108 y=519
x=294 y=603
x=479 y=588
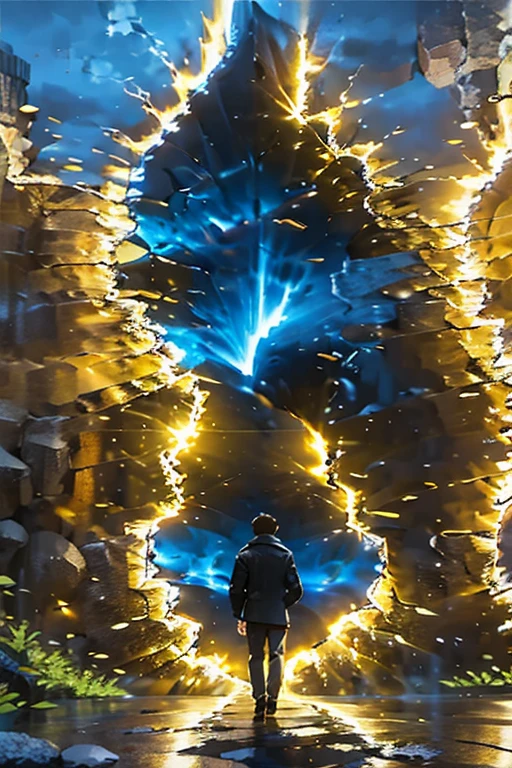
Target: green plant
x=498 y=678
x=55 y=671
x=10 y=701
x=21 y=640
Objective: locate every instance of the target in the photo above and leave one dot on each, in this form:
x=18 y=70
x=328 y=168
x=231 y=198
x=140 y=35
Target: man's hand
x=242 y=628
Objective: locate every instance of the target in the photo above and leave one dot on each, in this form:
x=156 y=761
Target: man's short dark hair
x=264 y=524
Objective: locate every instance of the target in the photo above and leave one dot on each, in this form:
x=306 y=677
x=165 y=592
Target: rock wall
x=14 y=79
x=427 y=469
x=460 y=44
x=92 y=406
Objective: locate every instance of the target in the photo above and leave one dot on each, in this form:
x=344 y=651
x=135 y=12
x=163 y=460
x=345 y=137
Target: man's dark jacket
x=265 y=582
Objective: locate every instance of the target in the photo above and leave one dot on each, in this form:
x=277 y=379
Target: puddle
x=239 y=754
x=308 y=730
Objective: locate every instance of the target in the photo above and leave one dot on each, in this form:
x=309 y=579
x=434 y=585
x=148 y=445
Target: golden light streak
x=184 y=82
x=307 y=65
x=317 y=443
x=28 y=109
x=181 y=440
x=291 y=223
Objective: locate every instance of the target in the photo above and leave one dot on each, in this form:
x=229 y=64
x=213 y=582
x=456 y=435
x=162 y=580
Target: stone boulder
x=46 y=451
x=12 y=418
x=21 y=749
x=54 y=566
x=484 y=32
x=12 y=538
x=88 y=755
x=15 y=484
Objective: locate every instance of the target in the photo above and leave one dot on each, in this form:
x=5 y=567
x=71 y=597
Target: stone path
x=207 y=732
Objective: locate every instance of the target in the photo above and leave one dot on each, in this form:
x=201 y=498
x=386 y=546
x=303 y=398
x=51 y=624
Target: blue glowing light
x=237 y=200
x=264 y=320
x=197 y=557
x=243 y=283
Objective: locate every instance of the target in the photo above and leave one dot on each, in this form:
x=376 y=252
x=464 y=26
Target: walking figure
x=264 y=584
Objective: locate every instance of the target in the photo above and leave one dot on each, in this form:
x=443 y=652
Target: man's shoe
x=271 y=706
x=259 y=709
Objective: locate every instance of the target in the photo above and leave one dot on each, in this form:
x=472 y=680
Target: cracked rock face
x=460 y=44
x=419 y=382
x=77 y=466
x=427 y=470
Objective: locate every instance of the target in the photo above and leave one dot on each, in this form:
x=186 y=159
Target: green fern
x=7 y=699
x=10 y=701
x=55 y=671
x=21 y=639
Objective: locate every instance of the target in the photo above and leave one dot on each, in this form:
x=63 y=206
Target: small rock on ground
x=145 y=729
x=22 y=749
x=88 y=755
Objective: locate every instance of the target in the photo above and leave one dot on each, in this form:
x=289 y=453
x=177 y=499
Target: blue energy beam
x=239 y=280
x=267 y=315
x=225 y=315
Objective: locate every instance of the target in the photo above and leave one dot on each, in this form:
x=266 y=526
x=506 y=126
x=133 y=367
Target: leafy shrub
x=498 y=678
x=55 y=671
x=10 y=701
x=21 y=640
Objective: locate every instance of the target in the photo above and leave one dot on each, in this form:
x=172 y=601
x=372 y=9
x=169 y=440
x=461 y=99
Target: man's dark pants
x=257 y=637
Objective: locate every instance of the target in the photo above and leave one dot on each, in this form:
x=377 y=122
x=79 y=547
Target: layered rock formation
x=426 y=468
x=93 y=413
x=460 y=44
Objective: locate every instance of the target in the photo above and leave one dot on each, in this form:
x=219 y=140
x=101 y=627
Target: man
x=265 y=583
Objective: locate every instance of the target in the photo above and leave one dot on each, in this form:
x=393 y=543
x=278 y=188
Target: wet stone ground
x=315 y=732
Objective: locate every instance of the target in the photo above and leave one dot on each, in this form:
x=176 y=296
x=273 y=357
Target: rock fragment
x=88 y=755
x=22 y=749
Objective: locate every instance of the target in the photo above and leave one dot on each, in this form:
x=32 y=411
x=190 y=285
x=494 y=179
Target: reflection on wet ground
x=314 y=732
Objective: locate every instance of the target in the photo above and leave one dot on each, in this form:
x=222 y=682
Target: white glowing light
x=265 y=323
